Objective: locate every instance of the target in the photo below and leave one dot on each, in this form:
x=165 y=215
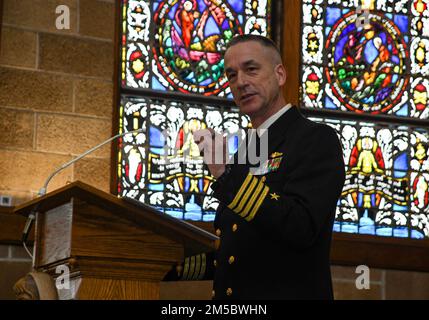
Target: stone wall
x=56 y=94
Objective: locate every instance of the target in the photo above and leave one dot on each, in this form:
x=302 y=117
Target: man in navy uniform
x=275 y=221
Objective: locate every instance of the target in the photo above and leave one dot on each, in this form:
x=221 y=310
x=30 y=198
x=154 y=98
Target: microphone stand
x=32 y=216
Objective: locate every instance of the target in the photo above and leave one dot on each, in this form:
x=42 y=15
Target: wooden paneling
x=291 y=46
x=99 y=233
x=380 y=252
x=1 y=19
x=11 y=226
x=112 y=248
x=108 y=289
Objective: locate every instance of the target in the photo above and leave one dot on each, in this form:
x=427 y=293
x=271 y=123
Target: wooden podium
x=113 y=248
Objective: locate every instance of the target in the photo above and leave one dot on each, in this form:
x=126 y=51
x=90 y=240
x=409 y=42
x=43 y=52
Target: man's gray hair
x=264 y=41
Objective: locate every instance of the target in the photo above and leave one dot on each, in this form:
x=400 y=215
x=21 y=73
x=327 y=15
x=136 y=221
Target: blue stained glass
x=187 y=184
x=192 y=210
x=237 y=5
x=209 y=217
x=156 y=138
x=399 y=174
x=233 y=144
x=332 y=15
x=205 y=82
x=156 y=85
x=201 y=5
x=416 y=234
x=329 y=104
x=367 y=230
x=337 y=227
x=383 y=37
x=156 y=187
x=159 y=151
x=177 y=27
x=349 y=227
x=384 y=231
x=401 y=162
x=395 y=59
x=327 y=30
x=368 y=100
x=211 y=27
x=373 y=70
x=400 y=232
x=178 y=60
x=180 y=32
x=225 y=25
x=383 y=94
x=339 y=49
x=371 y=52
x=172 y=12
x=360 y=200
x=190 y=76
x=403 y=111
x=399 y=208
x=347 y=30
x=173 y=213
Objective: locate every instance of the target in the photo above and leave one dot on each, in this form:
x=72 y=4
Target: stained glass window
x=387 y=177
x=366 y=56
x=172 y=83
x=177 y=45
x=162 y=166
x=362 y=59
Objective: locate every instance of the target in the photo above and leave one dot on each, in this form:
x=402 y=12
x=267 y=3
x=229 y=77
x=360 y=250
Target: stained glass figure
x=366 y=56
x=370 y=57
x=178 y=45
x=386 y=188
x=163 y=166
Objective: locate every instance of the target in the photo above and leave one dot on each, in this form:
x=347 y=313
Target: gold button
x=231 y=260
x=179 y=270
x=217 y=244
x=215 y=263
x=263 y=178
x=218 y=232
x=228 y=291
x=234 y=227
x=213 y=293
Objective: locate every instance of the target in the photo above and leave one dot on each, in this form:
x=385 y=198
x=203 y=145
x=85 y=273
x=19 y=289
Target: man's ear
x=281 y=74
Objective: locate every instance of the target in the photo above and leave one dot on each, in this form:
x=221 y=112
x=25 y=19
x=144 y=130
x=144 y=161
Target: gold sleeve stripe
x=197 y=267
x=191 y=268
x=258 y=204
x=234 y=203
x=185 y=269
x=203 y=267
x=246 y=195
x=252 y=200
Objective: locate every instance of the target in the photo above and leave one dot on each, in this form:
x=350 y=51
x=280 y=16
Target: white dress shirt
x=267 y=123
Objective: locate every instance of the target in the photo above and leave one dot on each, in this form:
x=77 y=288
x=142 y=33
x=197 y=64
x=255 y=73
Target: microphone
x=32 y=216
